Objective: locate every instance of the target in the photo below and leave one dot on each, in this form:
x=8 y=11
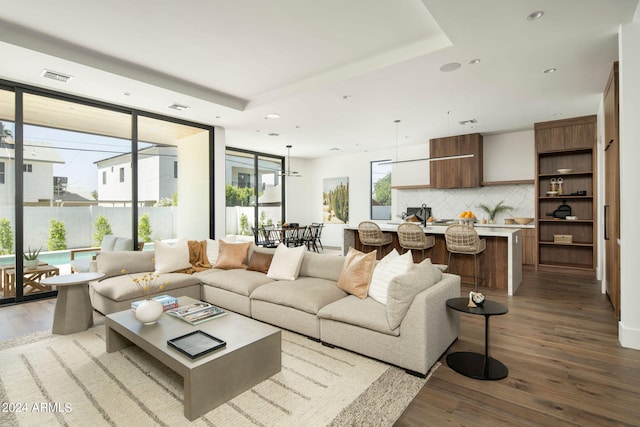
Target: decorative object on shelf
x=493 y=212
x=149 y=311
x=523 y=221
x=31 y=258
x=565 y=171
x=560 y=181
x=552 y=193
x=562 y=238
x=563 y=211
x=476 y=299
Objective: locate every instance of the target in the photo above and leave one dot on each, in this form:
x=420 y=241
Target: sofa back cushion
x=123 y=244
x=115 y=262
x=321 y=265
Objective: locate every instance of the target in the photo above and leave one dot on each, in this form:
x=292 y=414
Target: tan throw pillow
x=356 y=272
x=403 y=289
x=260 y=262
x=232 y=255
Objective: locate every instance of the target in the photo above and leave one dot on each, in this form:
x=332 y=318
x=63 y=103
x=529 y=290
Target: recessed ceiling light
x=557 y=114
x=474 y=61
x=550 y=70
x=470 y=121
x=452 y=66
x=346 y=96
x=535 y=15
x=127 y=94
x=179 y=107
x=335 y=149
x=273 y=134
x=272 y=116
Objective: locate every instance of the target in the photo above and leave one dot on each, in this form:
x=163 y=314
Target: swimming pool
x=58 y=257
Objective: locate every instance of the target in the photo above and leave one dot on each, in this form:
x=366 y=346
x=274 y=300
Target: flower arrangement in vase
x=149 y=310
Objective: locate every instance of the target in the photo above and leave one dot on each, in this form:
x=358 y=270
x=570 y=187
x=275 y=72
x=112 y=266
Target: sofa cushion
x=260 y=261
x=286 y=263
x=121 y=288
x=123 y=244
x=366 y=313
x=170 y=258
x=108 y=243
x=232 y=255
x=404 y=288
x=323 y=266
x=356 y=272
x=308 y=294
x=239 y=281
x=392 y=265
x=113 y=263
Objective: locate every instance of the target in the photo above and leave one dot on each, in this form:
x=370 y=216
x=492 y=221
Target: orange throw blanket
x=197 y=257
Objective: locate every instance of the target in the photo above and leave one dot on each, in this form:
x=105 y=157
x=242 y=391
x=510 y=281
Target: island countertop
x=500 y=265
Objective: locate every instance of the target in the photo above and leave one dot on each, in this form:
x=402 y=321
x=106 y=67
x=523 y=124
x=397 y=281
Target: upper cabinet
x=456 y=173
x=570 y=134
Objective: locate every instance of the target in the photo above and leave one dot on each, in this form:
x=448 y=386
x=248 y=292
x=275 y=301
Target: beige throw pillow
x=232 y=255
x=356 y=272
x=403 y=289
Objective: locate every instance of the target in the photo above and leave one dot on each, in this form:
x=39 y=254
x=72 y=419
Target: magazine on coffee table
x=196 y=313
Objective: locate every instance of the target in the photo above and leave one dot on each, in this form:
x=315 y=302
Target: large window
x=88 y=170
x=381 y=190
x=254 y=191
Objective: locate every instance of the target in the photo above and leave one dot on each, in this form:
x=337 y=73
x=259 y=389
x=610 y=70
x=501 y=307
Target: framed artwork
x=335 y=200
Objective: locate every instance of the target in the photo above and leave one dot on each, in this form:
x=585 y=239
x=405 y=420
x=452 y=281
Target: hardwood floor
x=566 y=367
x=559 y=341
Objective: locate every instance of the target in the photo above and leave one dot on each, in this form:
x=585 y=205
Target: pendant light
x=288 y=171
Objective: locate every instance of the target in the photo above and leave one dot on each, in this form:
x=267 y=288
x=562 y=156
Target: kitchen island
x=499 y=266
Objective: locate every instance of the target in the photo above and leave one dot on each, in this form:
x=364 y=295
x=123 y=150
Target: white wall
x=629 y=326
x=509 y=156
x=219 y=164
x=193 y=187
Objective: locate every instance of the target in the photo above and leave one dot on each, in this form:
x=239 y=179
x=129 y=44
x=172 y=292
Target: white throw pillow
x=169 y=258
x=389 y=267
x=286 y=263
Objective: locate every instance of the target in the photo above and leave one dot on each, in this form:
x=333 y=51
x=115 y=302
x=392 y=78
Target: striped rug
x=71 y=380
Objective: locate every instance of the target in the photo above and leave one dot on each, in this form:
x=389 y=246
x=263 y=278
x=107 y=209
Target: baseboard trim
x=628 y=337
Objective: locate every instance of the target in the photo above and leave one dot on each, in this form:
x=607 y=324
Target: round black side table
x=476 y=365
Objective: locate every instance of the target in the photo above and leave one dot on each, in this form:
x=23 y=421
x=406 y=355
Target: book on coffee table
x=196 y=313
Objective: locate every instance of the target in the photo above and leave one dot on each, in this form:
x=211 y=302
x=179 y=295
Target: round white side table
x=73 y=312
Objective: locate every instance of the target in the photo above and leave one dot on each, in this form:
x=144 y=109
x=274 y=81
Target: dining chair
x=320 y=226
x=371 y=235
x=463 y=239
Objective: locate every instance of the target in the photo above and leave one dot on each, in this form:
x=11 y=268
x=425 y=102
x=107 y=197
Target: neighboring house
x=38 y=174
x=157 y=176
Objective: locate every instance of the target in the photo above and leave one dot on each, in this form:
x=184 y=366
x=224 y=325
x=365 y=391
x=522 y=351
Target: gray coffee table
x=252 y=354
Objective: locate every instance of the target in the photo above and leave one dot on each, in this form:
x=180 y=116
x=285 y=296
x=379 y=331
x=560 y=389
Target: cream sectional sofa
x=312 y=305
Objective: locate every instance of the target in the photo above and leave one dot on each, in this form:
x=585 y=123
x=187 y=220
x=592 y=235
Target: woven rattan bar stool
x=371 y=235
x=463 y=239
x=411 y=236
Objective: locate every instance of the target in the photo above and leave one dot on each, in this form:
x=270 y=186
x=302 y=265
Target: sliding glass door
x=254 y=190
x=73 y=171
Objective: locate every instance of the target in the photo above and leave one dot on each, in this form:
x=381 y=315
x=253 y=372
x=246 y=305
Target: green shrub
x=103 y=228
x=6 y=237
x=144 y=228
x=57 y=236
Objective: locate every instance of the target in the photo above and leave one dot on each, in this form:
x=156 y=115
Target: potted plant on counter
x=31 y=258
x=493 y=212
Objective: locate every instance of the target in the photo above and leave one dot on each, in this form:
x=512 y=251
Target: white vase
x=149 y=311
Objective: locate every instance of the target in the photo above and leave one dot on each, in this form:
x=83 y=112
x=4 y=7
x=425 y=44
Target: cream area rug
x=71 y=380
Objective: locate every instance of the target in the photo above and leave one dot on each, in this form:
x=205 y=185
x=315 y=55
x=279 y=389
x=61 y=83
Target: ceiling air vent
x=468 y=122
x=54 y=75
x=179 y=107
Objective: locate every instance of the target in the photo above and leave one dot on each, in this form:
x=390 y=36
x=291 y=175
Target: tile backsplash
x=449 y=203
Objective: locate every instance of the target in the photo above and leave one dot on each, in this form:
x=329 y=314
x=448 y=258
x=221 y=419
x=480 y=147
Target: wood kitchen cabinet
x=528 y=246
x=456 y=173
x=566 y=144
